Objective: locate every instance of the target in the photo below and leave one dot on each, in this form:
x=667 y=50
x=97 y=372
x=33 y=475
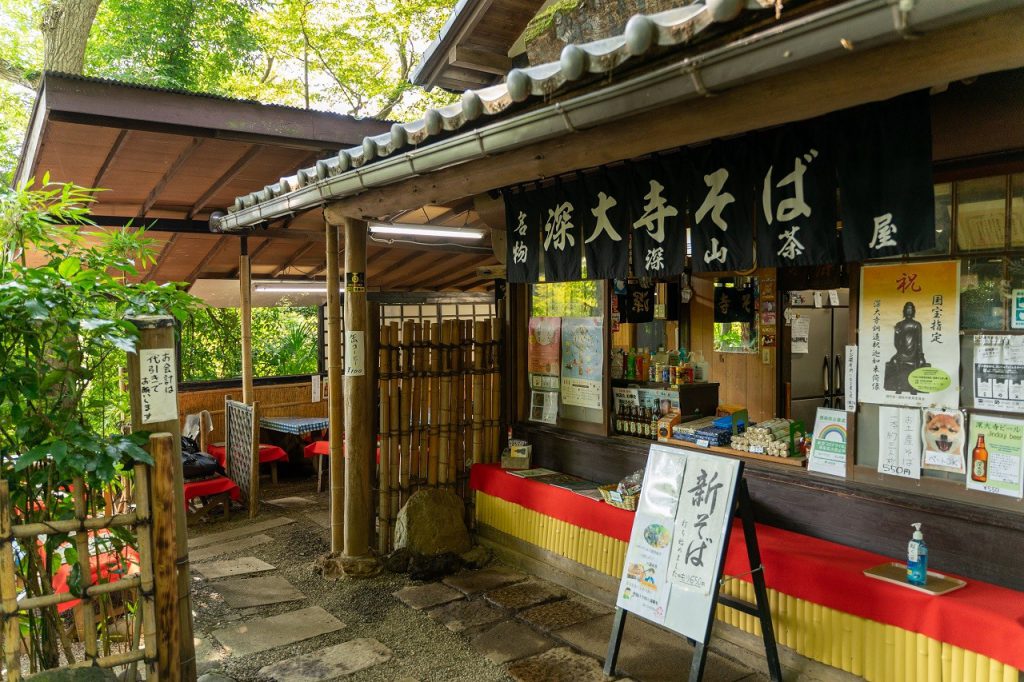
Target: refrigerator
x=816 y=377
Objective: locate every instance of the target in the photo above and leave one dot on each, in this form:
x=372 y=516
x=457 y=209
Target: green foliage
x=284 y=343
x=566 y=299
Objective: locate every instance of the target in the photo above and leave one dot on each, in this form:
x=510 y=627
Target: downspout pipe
x=787 y=47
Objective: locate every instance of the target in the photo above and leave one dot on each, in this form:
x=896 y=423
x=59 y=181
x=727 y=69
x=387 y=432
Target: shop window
x=982 y=294
x=736 y=306
x=566 y=355
x=981 y=213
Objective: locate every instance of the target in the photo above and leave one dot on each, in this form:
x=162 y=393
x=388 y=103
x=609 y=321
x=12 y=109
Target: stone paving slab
x=321 y=518
x=561 y=614
x=222 y=569
x=206 y=553
x=241 y=531
x=291 y=502
x=557 y=665
x=208 y=657
x=648 y=653
x=509 y=641
x=485 y=580
x=524 y=595
x=249 y=592
x=427 y=596
x=330 y=663
x=465 y=615
x=253 y=636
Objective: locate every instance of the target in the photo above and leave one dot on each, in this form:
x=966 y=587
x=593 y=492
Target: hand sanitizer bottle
x=917 y=558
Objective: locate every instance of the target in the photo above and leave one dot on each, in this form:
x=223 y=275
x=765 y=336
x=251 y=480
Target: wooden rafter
x=446 y=264
x=164 y=251
x=293 y=259
x=174 y=169
x=460 y=278
x=210 y=255
x=224 y=179
x=474 y=284
x=115 y=149
x=395 y=270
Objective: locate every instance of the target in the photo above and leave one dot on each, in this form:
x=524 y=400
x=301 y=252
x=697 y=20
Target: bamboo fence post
x=384 y=468
x=144 y=533
x=245 y=313
x=467 y=403
x=434 y=405
x=85 y=568
x=455 y=421
x=8 y=588
x=335 y=380
x=395 y=407
x=416 y=363
x=405 y=429
x=478 y=392
x=445 y=405
x=495 y=388
x=164 y=521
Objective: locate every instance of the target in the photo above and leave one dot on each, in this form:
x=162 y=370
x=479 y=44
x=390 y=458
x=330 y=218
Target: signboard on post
x=677 y=547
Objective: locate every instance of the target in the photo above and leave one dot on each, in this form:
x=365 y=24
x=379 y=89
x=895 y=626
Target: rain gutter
x=801 y=42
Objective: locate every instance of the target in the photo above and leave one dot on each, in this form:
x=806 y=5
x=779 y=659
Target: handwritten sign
x=355 y=353
x=158 y=385
x=899 y=441
x=314 y=382
x=851 y=379
x=703 y=511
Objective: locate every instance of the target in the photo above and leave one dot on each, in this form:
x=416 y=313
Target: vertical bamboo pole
x=396 y=415
x=465 y=398
x=157 y=332
x=335 y=374
x=416 y=365
x=494 y=389
x=434 y=405
x=384 y=468
x=85 y=568
x=455 y=420
x=358 y=424
x=458 y=461
x=144 y=533
x=405 y=425
x=245 y=291
x=162 y=485
x=9 y=589
x=444 y=418
x=479 y=349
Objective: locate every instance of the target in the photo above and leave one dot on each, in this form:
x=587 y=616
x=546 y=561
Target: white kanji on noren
x=791 y=246
x=795 y=206
x=716 y=200
x=884 y=230
x=655 y=212
x=556 y=229
x=519 y=252
x=604 y=203
x=521 y=227
x=655 y=259
x=716 y=253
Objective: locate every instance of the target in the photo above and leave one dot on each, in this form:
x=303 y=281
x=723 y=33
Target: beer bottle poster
x=909 y=326
x=996 y=447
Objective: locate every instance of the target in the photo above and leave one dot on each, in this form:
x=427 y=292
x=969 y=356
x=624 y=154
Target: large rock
x=431 y=523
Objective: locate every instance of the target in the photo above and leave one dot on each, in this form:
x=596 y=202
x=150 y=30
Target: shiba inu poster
x=943 y=434
x=909 y=334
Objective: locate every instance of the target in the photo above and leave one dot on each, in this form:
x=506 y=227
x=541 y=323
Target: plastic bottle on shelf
x=673 y=358
x=641 y=366
x=631 y=364
x=700 y=368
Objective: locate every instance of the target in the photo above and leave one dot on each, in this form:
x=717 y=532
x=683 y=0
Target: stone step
x=241 y=566
x=240 y=531
x=330 y=663
x=249 y=592
x=207 y=553
x=250 y=637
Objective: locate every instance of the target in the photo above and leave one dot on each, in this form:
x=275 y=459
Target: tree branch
x=12 y=74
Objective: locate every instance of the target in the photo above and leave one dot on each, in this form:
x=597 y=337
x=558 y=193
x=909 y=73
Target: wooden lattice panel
x=241 y=444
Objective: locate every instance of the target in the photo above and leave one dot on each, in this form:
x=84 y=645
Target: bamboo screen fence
x=440 y=409
x=154 y=643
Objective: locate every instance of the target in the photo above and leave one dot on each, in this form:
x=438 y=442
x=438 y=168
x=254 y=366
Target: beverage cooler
x=816 y=376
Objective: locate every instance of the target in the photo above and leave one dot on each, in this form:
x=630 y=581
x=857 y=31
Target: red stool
x=215 y=492
x=320 y=449
x=269 y=454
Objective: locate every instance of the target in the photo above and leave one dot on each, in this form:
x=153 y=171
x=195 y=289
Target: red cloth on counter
x=981 y=617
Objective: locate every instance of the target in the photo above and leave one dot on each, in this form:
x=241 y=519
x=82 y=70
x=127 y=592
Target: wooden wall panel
x=277 y=400
x=743 y=378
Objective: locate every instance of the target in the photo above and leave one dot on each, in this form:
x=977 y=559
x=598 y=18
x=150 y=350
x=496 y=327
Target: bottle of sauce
x=979 y=461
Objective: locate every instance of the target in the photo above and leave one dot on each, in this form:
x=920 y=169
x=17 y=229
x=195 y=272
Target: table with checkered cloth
x=296 y=426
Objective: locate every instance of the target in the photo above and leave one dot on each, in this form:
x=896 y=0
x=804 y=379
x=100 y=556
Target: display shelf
x=786 y=461
x=659 y=385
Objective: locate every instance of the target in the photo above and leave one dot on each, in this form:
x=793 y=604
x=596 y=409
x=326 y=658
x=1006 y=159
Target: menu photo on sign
x=828 y=444
x=158 y=385
x=999 y=373
x=899 y=441
x=582 y=363
x=997 y=457
x=910 y=334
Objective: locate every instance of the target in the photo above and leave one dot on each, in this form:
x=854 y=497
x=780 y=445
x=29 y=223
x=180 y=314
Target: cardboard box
x=517 y=457
x=665 y=425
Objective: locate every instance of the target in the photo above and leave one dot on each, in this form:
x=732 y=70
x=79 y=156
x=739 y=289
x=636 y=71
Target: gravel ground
x=423 y=649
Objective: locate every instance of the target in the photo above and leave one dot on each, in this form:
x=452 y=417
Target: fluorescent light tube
x=428 y=231
x=293 y=289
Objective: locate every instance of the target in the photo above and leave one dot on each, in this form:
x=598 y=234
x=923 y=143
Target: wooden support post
x=444 y=445
x=245 y=291
x=144 y=533
x=157 y=333
x=494 y=442
x=335 y=375
x=9 y=589
x=416 y=377
x=86 y=607
x=405 y=412
x=394 y=408
x=384 y=467
x=434 y=404
x=359 y=431
x=164 y=517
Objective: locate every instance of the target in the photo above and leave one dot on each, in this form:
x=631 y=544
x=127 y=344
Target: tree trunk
x=65 y=26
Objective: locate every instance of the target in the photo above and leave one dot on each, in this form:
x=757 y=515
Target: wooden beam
x=172 y=171
x=115 y=149
x=210 y=255
x=245 y=291
x=474 y=284
x=160 y=257
x=370 y=260
x=858 y=77
x=476 y=59
x=397 y=271
x=299 y=253
x=224 y=179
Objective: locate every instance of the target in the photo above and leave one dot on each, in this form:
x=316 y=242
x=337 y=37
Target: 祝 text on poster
x=997 y=460
x=158 y=385
x=909 y=322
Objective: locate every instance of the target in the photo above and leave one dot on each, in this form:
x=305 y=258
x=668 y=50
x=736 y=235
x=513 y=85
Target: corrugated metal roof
x=643 y=33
